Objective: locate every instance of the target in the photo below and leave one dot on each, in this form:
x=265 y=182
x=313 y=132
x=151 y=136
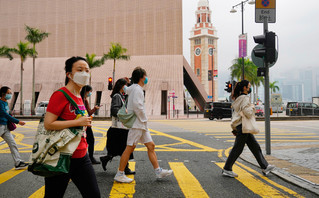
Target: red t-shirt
x=60 y=106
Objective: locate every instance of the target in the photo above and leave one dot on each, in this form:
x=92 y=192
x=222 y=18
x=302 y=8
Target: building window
x=197 y=41
x=198 y=19
x=198 y=72
x=208 y=20
x=210 y=41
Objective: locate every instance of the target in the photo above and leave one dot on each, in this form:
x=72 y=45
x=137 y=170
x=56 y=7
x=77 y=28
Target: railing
x=303 y=112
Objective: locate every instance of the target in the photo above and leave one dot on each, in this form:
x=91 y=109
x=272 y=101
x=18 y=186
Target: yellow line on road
x=254 y=184
x=204 y=148
x=124 y=189
x=270 y=181
x=275 y=137
x=39 y=193
x=262 y=140
x=9 y=174
x=187 y=182
x=101 y=142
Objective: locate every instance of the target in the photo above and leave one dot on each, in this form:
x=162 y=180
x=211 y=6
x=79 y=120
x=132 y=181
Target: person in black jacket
x=117 y=133
x=86 y=91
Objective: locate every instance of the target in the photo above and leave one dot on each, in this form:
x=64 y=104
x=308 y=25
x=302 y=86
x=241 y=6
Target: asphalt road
x=195 y=149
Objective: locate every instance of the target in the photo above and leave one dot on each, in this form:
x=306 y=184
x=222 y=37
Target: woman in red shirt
x=81 y=170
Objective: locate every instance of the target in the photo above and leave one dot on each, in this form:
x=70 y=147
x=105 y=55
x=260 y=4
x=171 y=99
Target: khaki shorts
x=138 y=136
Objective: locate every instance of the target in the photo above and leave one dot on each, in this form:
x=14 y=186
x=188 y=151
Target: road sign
x=259 y=62
x=242 y=45
x=265 y=8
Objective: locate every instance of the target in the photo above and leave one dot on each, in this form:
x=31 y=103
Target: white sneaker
x=122 y=178
x=229 y=173
x=163 y=173
x=268 y=169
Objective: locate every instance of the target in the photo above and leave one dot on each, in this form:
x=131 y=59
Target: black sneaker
x=21 y=165
x=105 y=160
x=94 y=161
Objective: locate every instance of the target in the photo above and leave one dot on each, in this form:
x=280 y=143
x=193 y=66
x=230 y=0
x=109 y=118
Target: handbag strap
x=71 y=101
x=120 y=98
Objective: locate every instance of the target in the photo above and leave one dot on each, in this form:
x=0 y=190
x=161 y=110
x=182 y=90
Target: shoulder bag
x=53 y=149
x=126 y=118
x=249 y=124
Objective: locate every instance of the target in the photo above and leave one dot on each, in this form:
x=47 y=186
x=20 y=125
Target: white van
x=42 y=108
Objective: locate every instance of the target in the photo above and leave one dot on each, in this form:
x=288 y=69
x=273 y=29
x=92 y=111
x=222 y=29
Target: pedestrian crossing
x=186 y=181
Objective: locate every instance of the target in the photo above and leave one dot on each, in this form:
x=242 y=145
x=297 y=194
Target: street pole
x=267 y=107
x=242 y=32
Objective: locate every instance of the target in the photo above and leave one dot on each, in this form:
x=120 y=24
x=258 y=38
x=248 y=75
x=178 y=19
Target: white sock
x=120 y=172
x=157 y=170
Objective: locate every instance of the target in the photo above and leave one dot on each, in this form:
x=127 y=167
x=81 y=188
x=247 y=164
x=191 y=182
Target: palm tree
x=116 y=52
x=92 y=62
x=34 y=36
x=6 y=52
x=250 y=73
x=273 y=87
x=236 y=69
x=23 y=51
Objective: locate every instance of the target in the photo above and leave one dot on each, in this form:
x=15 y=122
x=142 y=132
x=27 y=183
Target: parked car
x=218 y=110
x=302 y=109
x=41 y=108
x=259 y=111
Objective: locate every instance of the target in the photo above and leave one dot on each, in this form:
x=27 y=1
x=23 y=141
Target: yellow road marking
x=270 y=181
x=9 y=174
x=275 y=137
x=260 y=140
x=187 y=182
x=200 y=146
x=39 y=193
x=101 y=141
x=226 y=152
x=254 y=184
x=124 y=189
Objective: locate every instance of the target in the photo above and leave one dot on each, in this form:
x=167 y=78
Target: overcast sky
x=297 y=26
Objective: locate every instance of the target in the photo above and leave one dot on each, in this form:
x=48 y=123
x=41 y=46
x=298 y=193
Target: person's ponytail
x=239 y=88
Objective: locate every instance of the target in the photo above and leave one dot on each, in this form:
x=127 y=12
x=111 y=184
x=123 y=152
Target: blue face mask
x=8 y=96
x=146 y=80
x=124 y=88
x=89 y=94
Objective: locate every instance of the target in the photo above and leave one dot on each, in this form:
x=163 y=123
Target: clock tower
x=204 y=50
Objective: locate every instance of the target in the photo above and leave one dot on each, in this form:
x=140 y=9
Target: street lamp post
x=242 y=27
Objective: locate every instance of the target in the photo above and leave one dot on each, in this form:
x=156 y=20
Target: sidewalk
x=296 y=163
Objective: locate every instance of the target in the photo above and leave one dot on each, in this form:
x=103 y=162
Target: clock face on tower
x=198 y=51
x=210 y=51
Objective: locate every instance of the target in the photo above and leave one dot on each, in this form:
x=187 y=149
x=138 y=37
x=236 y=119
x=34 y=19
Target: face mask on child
x=8 y=96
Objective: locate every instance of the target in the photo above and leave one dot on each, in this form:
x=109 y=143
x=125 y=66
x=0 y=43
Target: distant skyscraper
x=204 y=49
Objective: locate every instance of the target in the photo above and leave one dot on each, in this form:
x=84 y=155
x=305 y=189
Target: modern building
x=204 y=50
x=150 y=30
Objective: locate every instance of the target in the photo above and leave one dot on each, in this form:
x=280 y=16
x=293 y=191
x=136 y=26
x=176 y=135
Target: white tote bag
x=249 y=124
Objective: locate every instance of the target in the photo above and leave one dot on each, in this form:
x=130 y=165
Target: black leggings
x=90 y=141
x=83 y=176
x=241 y=140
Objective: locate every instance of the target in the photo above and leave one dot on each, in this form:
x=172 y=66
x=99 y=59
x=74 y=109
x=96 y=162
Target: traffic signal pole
x=267 y=102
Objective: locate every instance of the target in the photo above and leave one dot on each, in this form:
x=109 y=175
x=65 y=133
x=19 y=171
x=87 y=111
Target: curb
x=291 y=178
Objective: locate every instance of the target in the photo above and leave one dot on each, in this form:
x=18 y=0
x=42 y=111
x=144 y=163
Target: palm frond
x=6 y=52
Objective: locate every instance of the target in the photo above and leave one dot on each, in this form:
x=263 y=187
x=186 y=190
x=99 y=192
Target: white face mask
x=81 y=78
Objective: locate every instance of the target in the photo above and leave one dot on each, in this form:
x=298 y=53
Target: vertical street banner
x=242 y=45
